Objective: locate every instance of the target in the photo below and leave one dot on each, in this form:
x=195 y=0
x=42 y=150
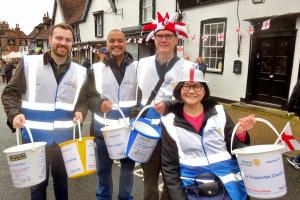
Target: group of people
x=6 y=70
x=49 y=92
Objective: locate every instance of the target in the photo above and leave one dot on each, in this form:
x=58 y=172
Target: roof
x=73 y=11
x=41 y=31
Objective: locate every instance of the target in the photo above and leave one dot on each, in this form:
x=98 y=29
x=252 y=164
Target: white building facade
x=245 y=63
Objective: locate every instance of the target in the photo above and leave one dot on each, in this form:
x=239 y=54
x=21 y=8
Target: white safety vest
x=48 y=106
x=123 y=96
x=206 y=154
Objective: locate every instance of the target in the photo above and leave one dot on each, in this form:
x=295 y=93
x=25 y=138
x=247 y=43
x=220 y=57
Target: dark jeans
x=55 y=163
x=151 y=175
x=104 y=189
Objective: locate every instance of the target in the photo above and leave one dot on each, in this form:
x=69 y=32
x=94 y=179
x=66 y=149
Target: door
x=272 y=68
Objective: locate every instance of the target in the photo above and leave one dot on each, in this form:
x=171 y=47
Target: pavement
x=84 y=188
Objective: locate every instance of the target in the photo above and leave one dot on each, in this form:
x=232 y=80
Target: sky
x=26 y=13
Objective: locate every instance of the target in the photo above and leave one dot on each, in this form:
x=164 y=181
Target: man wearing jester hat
x=165 y=65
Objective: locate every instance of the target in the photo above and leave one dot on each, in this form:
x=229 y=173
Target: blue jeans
x=104 y=189
x=55 y=162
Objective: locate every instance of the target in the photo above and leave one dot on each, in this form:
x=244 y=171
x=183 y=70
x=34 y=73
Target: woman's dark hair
x=177 y=92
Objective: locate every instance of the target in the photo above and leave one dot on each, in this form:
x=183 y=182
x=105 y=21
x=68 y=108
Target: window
x=76 y=33
x=98 y=24
x=146 y=10
x=212 y=44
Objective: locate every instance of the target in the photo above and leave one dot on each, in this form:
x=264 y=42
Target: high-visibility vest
x=48 y=106
x=148 y=78
x=206 y=154
x=123 y=95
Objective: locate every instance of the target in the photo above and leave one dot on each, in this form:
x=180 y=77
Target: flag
x=140 y=41
x=250 y=30
x=193 y=37
x=180 y=50
x=290 y=143
x=128 y=40
x=204 y=37
x=220 y=37
x=266 y=25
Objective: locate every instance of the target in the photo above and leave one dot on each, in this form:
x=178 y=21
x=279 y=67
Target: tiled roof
x=74 y=11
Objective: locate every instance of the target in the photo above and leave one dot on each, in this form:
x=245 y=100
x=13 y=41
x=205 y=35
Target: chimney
x=17 y=27
x=44 y=19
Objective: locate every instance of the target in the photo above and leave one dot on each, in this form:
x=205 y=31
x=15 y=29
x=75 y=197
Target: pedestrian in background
x=157 y=75
x=196 y=144
x=294 y=106
x=201 y=65
x=9 y=70
x=2 y=70
x=115 y=78
x=56 y=87
x=102 y=53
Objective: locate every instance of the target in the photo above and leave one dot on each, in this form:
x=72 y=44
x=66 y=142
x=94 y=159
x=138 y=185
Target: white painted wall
x=229 y=85
x=58 y=15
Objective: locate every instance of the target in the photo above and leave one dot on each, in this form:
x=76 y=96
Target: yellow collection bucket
x=79 y=155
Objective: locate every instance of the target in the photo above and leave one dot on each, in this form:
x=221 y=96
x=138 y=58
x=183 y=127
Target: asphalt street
x=84 y=188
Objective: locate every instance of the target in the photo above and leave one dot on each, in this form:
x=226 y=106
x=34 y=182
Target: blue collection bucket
x=143 y=138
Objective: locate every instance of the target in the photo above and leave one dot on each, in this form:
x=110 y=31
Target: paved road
x=84 y=188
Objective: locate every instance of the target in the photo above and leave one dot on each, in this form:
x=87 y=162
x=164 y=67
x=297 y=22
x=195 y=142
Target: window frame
x=96 y=15
x=76 y=31
x=142 y=11
x=203 y=47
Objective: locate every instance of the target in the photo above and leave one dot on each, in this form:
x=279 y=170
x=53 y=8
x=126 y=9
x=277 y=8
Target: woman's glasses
x=168 y=37
x=196 y=87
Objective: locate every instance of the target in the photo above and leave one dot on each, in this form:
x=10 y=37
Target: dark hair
x=63 y=26
x=177 y=92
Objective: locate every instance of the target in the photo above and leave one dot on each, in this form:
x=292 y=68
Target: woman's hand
x=160 y=107
x=246 y=123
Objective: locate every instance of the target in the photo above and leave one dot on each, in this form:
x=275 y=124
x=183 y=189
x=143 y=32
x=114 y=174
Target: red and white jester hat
x=192 y=75
x=165 y=23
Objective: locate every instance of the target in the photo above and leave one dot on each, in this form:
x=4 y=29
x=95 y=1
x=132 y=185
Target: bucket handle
x=259 y=120
x=140 y=114
x=120 y=111
x=79 y=130
x=18 y=132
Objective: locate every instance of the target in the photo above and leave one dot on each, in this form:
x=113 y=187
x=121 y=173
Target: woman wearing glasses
x=196 y=160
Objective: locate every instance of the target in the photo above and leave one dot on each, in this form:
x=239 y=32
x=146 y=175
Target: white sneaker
x=296 y=165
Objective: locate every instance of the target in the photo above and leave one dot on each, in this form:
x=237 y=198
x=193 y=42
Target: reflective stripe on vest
x=197 y=155
x=49 y=107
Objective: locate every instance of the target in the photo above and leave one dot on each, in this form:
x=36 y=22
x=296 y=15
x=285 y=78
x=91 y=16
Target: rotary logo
x=256 y=162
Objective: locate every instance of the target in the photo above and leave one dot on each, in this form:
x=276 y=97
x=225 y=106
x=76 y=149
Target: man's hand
x=160 y=107
x=106 y=106
x=19 y=121
x=77 y=116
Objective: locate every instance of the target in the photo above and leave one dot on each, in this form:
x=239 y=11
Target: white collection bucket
x=262 y=167
x=116 y=137
x=143 y=138
x=27 y=162
x=79 y=155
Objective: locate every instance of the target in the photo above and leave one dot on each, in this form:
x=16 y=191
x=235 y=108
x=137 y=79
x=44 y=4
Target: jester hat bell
x=165 y=23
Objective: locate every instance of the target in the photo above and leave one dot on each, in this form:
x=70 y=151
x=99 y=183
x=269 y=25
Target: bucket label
x=17 y=157
x=142 y=148
x=72 y=159
x=28 y=168
x=259 y=182
x=90 y=155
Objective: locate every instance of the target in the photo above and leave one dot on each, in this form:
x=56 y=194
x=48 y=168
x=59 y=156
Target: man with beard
x=115 y=78
x=42 y=95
